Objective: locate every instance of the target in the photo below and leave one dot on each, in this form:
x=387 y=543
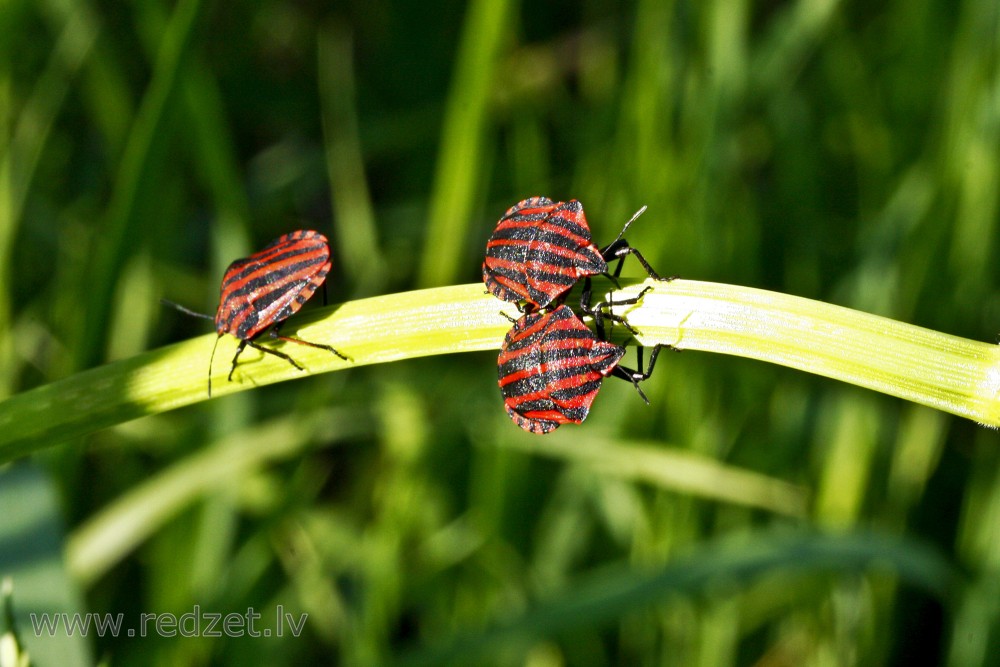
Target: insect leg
x=635 y=377
x=268 y=350
x=275 y=333
x=619 y=249
x=239 y=351
x=597 y=311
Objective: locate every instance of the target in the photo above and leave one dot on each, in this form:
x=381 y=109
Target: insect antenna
x=625 y=228
x=210 y=360
x=187 y=311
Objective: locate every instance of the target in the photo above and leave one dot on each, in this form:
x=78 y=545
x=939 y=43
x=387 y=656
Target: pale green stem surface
x=939 y=370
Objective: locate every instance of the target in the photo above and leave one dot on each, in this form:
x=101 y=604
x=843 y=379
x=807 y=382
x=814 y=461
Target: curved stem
x=935 y=369
x=939 y=370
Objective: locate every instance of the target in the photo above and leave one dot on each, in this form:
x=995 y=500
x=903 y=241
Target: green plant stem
x=939 y=370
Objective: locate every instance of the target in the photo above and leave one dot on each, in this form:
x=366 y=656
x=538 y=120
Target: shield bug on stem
x=541 y=248
x=551 y=366
x=263 y=290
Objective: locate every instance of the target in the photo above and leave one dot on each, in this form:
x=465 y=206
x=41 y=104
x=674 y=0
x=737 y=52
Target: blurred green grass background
x=841 y=151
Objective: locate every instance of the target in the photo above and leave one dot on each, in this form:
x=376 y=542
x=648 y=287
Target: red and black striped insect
x=541 y=248
x=551 y=367
x=265 y=289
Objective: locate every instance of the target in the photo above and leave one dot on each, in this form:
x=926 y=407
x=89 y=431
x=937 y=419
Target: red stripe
x=266 y=285
x=531 y=351
x=266 y=265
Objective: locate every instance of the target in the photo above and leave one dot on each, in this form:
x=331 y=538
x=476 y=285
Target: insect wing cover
x=272 y=284
x=550 y=369
x=539 y=250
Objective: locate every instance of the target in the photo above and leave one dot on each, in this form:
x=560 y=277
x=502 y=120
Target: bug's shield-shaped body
x=269 y=286
x=550 y=369
x=539 y=250
x=263 y=290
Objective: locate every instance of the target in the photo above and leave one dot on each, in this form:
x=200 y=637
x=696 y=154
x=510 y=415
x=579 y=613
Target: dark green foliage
x=847 y=152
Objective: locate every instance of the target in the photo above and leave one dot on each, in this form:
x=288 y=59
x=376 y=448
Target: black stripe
x=563 y=355
x=575 y=236
x=533 y=406
x=533 y=425
x=541 y=383
x=283 y=314
x=245 y=267
x=291 y=237
x=581 y=333
x=577 y=391
x=521 y=216
x=501 y=291
x=247 y=325
x=253 y=309
x=268 y=298
x=577 y=413
x=521 y=388
x=276 y=253
x=521 y=277
x=584 y=263
x=549 y=327
x=525 y=341
x=270 y=278
x=530 y=202
x=533 y=377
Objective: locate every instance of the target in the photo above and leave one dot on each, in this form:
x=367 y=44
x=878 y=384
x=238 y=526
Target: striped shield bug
x=551 y=367
x=263 y=290
x=541 y=248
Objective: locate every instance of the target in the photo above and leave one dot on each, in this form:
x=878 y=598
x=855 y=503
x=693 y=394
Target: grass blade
x=607 y=596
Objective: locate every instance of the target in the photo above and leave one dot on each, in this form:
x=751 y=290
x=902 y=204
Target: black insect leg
x=239 y=351
x=598 y=311
x=619 y=250
x=256 y=346
x=635 y=377
x=275 y=333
